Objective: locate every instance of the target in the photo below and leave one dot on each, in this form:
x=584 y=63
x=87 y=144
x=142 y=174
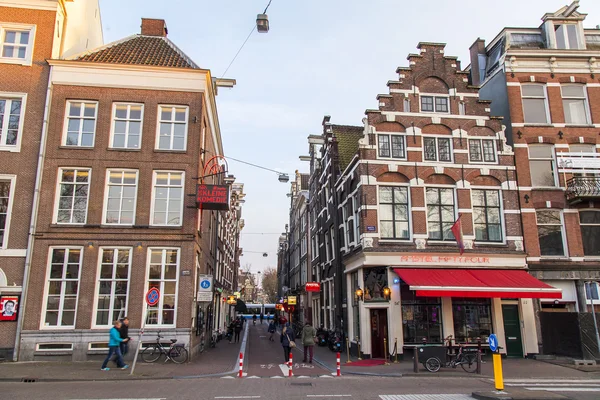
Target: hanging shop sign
x=291 y=300
x=313 y=287
x=213 y=197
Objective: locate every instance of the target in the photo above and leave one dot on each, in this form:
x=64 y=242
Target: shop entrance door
x=512 y=331
x=379 y=331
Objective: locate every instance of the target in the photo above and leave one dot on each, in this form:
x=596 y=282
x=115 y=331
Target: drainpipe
x=32 y=224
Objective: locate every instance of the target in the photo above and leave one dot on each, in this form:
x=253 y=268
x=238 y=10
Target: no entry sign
x=152 y=297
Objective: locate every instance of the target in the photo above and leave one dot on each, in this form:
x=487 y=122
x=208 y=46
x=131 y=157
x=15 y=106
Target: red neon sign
x=313 y=287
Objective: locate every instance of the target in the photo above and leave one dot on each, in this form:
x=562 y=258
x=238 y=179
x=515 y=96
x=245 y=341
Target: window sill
x=122 y=149
x=536 y=125
x=579 y=126
x=128 y=226
x=57 y=225
x=165 y=226
x=562 y=189
x=406 y=241
x=441 y=242
x=499 y=244
x=483 y=162
x=554 y=258
x=591 y=258
x=169 y=151
x=17 y=61
x=64 y=147
x=11 y=149
x=391 y=158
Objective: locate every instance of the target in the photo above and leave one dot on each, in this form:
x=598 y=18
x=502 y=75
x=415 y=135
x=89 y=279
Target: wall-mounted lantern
x=359 y=294
x=387 y=292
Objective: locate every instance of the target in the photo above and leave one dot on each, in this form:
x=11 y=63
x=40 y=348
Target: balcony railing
x=581 y=188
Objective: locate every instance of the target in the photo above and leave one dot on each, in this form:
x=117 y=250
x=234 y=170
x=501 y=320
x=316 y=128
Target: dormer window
x=566 y=36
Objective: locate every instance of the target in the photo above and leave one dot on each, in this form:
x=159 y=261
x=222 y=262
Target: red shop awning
x=487 y=283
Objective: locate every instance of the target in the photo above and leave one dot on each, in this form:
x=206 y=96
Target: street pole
x=594 y=316
x=139 y=344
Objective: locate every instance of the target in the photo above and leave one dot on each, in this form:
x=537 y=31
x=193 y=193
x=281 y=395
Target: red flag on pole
x=458 y=235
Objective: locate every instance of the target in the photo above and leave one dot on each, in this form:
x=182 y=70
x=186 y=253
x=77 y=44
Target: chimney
x=154 y=27
x=478 y=61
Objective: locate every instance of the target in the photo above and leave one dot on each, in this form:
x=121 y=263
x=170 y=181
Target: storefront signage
x=444 y=260
x=291 y=300
x=213 y=197
x=313 y=287
x=578 y=162
x=371 y=229
x=9 y=307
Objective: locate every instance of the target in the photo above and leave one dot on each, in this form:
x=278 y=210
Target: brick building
x=30 y=33
x=130 y=128
x=544 y=81
x=430 y=155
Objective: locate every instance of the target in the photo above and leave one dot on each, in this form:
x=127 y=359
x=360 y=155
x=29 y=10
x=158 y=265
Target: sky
x=320 y=57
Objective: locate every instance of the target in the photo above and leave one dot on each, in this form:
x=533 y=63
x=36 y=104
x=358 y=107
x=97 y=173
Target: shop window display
x=421 y=317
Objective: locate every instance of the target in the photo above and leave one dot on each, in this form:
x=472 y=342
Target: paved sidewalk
x=220 y=360
x=512 y=368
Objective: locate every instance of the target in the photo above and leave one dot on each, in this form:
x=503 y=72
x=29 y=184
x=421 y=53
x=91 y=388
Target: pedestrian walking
x=287 y=341
x=124 y=333
x=254 y=319
x=262 y=317
x=237 y=328
x=113 y=347
x=271 y=330
x=308 y=340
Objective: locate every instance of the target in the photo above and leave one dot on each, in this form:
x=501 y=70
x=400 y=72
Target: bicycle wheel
x=179 y=355
x=469 y=362
x=433 y=364
x=151 y=354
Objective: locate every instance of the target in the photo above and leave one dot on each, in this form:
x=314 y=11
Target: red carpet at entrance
x=371 y=362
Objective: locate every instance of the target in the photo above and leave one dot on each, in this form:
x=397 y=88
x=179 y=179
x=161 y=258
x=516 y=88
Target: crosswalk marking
x=565 y=389
x=425 y=397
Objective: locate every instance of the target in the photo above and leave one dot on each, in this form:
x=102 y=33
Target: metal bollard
x=348 y=351
x=479 y=355
x=396 y=348
x=385 y=351
x=291 y=365
x=241 y=373
x=416 y=360
x=339 y=369
x=358 y=344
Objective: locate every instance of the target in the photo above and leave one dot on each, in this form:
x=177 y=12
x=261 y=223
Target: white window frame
x=588 y=257
x=409 y=213
x=37 y=347
x=66 y=125
x=480 y=140
x=434 y=96
x=28 y=60
x=333 y=250
x=406 y=105
x=97 y=286
x=586 y=104
x=563 y=25
x=563 y=232
x=158 y=121
x=51 y=249
x=147 y=281
x=107 y=186
x=154 y=176
x=553 y=160
x=455 y=206
x=57 y=195
x=12 y=179
x=502 y=219
x=462 y=107
x=16 y=148
x=437 y=148
x=389 y=136
x=127 y=121
x=546 y=104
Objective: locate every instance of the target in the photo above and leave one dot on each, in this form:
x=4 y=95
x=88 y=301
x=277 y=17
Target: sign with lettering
x=418 y=259
x=291 y=300
x=452 y=261
x=313 y=287
x=213 y=197
x=371 y=229
x=578 y=162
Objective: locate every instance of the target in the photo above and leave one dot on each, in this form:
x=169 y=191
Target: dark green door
x=512 y=331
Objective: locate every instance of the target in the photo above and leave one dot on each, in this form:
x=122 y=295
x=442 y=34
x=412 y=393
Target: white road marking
x=285 y=370
x=425 y=397
x=325 y=376
x=328 y=395
x=253 y=377
x=554 y=384
x=161 y=398
x=227 y=377
x=277 y=377
x=553 y=381
x=565 y=389
x=238 y=397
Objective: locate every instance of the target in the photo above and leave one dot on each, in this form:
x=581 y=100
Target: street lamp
x=359 y=294
x=386 y=293
x=262 y=23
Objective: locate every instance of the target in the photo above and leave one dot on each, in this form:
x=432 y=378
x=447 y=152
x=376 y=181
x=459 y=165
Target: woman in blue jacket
x=114 y=347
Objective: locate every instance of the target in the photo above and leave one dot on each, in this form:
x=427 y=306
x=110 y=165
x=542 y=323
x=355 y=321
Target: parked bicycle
x=175 y=352
x=433 y=356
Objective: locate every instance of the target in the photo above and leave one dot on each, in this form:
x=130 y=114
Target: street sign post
x=152 y=298
x=497 y=358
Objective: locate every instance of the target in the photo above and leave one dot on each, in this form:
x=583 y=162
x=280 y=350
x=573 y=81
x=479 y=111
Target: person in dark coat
x=237 y=328
x=124 y=332
x=287 y=336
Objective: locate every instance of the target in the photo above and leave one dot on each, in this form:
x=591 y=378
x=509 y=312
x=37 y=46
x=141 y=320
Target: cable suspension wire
x=255 y=165
x=243 y=44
